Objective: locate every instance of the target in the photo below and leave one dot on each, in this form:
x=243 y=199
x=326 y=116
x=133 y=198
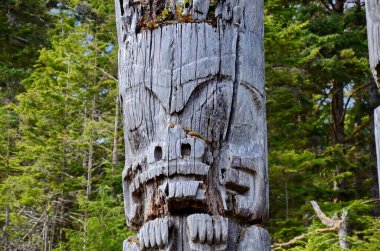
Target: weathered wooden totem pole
x=373 y=29
x=191 y=79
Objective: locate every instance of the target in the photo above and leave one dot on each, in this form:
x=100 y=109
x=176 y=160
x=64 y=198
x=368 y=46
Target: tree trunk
x=373 y=28
x=339 y=6
x=7 y=175
x=115 y=155
x=286 y=201
x=90 y=153
x=191 y=81
x=338 y=112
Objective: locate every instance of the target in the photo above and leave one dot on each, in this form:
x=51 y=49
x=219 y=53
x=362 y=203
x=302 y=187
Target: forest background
x=61 y=144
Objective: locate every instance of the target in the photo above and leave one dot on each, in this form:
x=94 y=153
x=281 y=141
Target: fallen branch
x=334 y=224
x=370 y=201
x=31 y=229
x=293 y=241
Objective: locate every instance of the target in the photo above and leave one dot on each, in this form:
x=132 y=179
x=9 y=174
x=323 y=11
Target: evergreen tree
x=61 y=145
x=68 y=144
x=320 y=103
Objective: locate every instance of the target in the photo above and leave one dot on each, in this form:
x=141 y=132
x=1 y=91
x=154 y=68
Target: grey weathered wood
x=193 y=102
x=200 y=9
x=373 y=30
x=254 y=238
x=377 y=139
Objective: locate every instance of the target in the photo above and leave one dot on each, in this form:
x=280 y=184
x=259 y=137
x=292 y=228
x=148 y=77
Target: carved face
x=192 y=131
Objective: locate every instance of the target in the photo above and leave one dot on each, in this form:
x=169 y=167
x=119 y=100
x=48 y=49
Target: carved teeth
x=202 y=228
x=200 y=169
x=164 y=229
x=192 y=229
x=210 y=231
x=155 y=234
x=183 y=189
x=205 y=231
x=141 y=238
x=224 y=228
x=152 y=235
x=146 y=236
x=217 y=231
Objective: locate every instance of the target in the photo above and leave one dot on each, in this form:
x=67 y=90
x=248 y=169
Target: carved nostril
x=185 y=150
x=158 y=153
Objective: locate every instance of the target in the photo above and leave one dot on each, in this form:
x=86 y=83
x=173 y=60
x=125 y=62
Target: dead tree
x=373 y=29
x=191 y=80
x=334 y=224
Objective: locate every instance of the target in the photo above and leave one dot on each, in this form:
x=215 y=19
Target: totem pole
x=191 y=79
x=373 y=30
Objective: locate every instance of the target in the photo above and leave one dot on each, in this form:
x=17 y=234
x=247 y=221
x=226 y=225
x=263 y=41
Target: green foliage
x=59 y=188
x=102 y=226
x=23 y=26
x=59 y=184
x=363 y=229
x=310 y=49
x=369 y=237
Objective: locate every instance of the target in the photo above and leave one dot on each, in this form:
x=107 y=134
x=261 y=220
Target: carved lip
x=161 y=171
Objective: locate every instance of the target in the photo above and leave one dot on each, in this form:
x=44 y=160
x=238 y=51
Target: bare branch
x=293 y=241
x=343 y=231
x=334 y=224
x=325 y=220
x=358 y=129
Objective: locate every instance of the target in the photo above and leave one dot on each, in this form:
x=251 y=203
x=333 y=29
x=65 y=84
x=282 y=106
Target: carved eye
x=158 y=153
x=185 y=150
x=187 y=5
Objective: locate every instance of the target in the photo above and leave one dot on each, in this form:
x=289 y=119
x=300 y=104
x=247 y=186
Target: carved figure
x=193 y=100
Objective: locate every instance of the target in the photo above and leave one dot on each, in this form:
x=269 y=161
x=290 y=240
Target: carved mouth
x=182 y=196
x=186 y=169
